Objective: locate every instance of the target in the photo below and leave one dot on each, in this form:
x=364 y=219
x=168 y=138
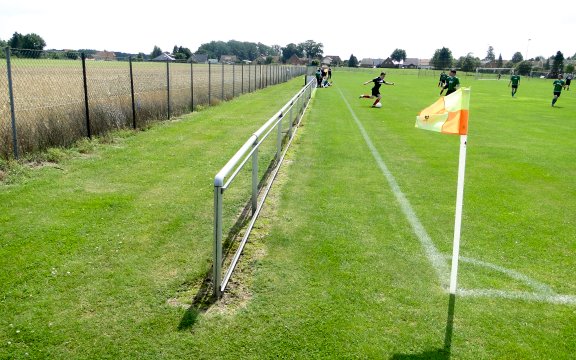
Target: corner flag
x=448 y=115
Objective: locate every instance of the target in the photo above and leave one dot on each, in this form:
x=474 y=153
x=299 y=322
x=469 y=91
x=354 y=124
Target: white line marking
x=543 y=293
x=432 y=252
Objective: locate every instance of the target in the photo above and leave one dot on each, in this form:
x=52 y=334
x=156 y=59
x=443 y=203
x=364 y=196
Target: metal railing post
x=12 y=107
x=255 y=177
x=218 y=192
x=279 y=138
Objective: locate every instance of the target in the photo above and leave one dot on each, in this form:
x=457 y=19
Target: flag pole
x=458 y=216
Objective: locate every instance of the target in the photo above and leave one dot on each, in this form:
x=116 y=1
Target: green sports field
x=103 y=254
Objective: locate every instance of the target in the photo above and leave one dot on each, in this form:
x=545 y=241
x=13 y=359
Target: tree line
x=312 y=51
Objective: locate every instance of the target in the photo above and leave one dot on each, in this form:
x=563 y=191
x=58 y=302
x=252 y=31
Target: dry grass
x=50 y=107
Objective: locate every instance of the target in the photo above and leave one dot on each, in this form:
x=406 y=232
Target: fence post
x=191 y=86
x=222 y=97
x=233 y=80
x=132 y=92
x=242 y=81
x=209 y=82
x=87 y=109
x=168 y=86
x=218 y=191
x=12 y=107
x=249 y=76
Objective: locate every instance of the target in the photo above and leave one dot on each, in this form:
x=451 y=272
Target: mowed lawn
x=94 y=251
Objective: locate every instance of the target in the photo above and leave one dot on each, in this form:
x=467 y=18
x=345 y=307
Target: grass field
x=102 y=254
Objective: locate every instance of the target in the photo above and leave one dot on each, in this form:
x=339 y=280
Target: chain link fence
x=50 y=98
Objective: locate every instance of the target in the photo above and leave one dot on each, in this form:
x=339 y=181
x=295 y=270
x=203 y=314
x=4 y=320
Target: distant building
x=164 y=57
x=370 y=63
x=388 y=63
x=198 y=59
x=424 y=64
x=411 y=63
x=295 y=60
x=228 y=59
x=105 y=56
x=332 y=60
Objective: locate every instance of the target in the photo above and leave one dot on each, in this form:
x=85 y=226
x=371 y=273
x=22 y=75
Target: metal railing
x=289 y=115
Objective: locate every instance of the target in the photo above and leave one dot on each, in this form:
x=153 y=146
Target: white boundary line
x=542 y=292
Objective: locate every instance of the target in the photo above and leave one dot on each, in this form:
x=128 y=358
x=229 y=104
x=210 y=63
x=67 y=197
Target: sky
x=365 y=30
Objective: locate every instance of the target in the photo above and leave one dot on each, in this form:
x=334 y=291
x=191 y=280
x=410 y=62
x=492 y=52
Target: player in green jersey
x=442 y=80
x=558 y=85
x=452 y=83
x=514 y=81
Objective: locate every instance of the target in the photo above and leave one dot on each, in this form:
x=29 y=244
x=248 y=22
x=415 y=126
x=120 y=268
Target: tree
x=468 y=63
x=557 y=64
x=524 y=68
x=16 y=41
x=289 y=50
x=500 y=62
x=490 y=55
x=73 y=55
x=156 y=52
x=570 y=68
x=517 y=57
x=352 y=62
x=29 y=42
x=398 y=55
x=312 y=49
x=442 y=58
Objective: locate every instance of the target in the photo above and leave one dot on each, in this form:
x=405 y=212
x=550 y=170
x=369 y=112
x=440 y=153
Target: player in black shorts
x=376 y=88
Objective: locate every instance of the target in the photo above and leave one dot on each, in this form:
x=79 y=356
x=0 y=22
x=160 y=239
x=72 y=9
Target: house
x=411 y=63
x=164 y=57
x=424 y=64
x=388 y=63
x=295 y=60
x=371 y=63
x=105 y=55
x=198 y=59
x=267 y=59
x=332 y=60
x=228 y=59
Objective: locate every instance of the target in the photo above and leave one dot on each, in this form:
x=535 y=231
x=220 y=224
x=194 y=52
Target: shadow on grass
x=204 y=298
x=439 y=354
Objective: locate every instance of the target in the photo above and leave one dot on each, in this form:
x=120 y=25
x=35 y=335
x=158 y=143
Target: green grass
x=94 y=251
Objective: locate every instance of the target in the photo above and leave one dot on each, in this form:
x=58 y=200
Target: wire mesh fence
x=50 y=98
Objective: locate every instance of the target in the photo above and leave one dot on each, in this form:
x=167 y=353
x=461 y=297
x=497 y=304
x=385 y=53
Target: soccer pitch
x=352 y=251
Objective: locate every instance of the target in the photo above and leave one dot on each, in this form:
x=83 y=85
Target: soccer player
x=452 y=83
x=378 y=81
x=568 y=81
x=514 y=81
x=442 y=80
x=558 y=85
